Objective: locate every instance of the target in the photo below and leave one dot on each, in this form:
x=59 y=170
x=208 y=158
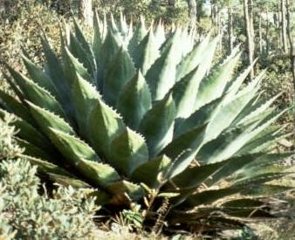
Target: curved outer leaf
x=84 y=159
x=34 y=151
x=55 y=71
x=262 y=163
x=46 y=119
x=195 y=176
x=40 y=77
x=128 y=151
x=210 y=196
x=152 y=173
x=120 y=71
x=104 y=124
x=233 y=165
x=37 y=95
x=228 y=110
x=157 y=125
x=49 y=168
x=14 y=106
x=134 y=100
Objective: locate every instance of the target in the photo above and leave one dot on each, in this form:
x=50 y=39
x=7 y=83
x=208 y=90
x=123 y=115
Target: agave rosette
x=146 y=111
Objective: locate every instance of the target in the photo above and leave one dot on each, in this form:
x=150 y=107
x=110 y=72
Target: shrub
x=24 y=213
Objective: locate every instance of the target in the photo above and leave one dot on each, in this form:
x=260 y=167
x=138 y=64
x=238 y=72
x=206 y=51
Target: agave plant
x=147 y=114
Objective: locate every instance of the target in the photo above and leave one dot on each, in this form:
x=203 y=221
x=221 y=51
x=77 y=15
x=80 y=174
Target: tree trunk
x=291 y=41
x=230 y=29
x=192 y=8
x=267 y=33
x=260 y=35
x=248 y=16
x=85 y=11
x=283 y=26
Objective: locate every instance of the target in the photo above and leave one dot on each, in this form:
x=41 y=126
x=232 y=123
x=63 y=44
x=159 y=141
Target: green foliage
x=24 y=213
x=193 y=135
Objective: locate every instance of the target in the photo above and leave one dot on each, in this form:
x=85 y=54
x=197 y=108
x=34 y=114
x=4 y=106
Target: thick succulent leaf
x=152 y=173
x=198 y=118
x=138 y=35
x=263 y=141
x=159 y=34
x=191 y=140
x=233 y=165
x=104 y=124
x=97 y=38
x=109 y=49
x=256 y=109
x=47 y=119
x=227 y=112
x=55 y=71
x=84 y=56
x=214 y=147
x=120 y=71
x=134 y=100
x=194 y=176
x=81 y=39
x=84 y=98
x=47 y=167
x=210 y=196
x=128 y=151
x=146 y=53
x=161 y=76
x=157 y=125
x=179 y=164
x=34 y=151
x=72 y=67
x=236 y=84
x=193 y=58
x=176 y=42
x=184 y=93
x=31 y=134
x=195 y=219
x=228 y=148
x=262 y=163
x=16 y=90
x=37 y=94
x=244 y=203
x=84 y=159
x=257 y=178
x=40 y=77
x=14 y=106
x=214 y=84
